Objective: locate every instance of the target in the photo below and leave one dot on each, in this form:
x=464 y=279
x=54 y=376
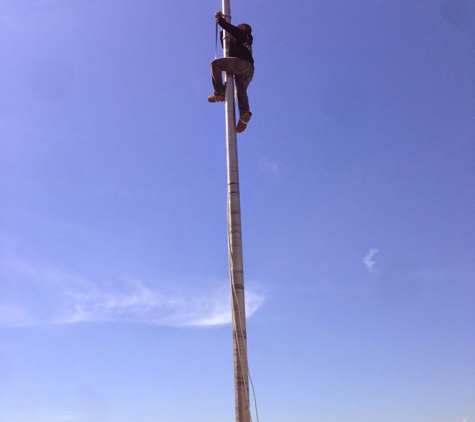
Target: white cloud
x=369 y=261
x=23 y=416
x=14 y=315
x=269 y=166
x=52 y=296
x=65 y=417
x=220 y=313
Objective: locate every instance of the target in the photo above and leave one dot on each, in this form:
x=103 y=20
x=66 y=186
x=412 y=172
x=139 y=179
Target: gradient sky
x=357 y=189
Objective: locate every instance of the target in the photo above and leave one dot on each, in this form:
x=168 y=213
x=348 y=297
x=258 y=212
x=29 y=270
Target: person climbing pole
x=240 y=63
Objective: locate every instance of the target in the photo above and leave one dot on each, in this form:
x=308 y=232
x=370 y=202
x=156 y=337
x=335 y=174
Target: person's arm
x=233 y=30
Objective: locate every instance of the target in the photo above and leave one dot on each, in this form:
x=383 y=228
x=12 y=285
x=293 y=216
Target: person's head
x=245 y=27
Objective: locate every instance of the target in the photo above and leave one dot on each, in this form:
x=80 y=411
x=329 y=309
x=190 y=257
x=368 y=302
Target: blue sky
x=357 y=191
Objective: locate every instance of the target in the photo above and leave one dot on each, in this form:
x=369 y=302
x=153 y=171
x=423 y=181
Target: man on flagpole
x=240 y=63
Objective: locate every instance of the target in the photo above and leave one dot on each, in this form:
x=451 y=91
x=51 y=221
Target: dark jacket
x=241 y=41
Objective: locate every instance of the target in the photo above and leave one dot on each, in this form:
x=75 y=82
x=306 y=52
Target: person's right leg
x=217 y=67
x=243 y=79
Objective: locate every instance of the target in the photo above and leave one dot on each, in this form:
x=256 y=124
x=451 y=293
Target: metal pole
x=241 y=368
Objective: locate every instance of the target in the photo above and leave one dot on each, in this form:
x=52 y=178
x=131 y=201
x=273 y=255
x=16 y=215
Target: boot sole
x=243 y=121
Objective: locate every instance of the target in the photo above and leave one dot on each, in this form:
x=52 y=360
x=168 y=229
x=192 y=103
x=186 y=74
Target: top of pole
x=227 y=15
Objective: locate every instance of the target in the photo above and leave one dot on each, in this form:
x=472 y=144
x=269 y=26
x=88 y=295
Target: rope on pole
x=216 y=42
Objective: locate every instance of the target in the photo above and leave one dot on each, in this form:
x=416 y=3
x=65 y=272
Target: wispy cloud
x=11 y=315
x=52 y=296
x=137 y=303
x=65 y=417
x=369 y=261
x=22 y=416
x=270 y=167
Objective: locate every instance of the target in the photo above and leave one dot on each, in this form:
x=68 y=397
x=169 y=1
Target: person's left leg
x=218 y=66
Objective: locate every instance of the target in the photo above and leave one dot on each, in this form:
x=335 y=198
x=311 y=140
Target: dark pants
x=243 y=72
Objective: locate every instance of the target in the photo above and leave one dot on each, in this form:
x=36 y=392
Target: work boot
x=243 y=121
x=216 y=98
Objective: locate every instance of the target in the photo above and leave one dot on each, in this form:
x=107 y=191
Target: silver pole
x=241 y=368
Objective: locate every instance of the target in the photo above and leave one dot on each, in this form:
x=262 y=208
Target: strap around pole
x=216 y=42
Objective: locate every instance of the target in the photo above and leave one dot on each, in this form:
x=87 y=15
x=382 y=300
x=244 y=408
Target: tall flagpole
x=241 y=368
